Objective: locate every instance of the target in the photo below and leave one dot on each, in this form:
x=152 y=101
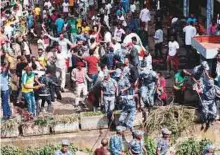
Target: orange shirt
x=71 y=2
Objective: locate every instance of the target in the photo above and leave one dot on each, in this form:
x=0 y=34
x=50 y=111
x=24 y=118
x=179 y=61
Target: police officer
x=109 y=90
x=199 y=73
x=136 y=146
x=64 y=150
x=209 y=150
x=208 y=96
x=128 y=111
x=121 y=53
x=123 y=82
x=116 y=142
x=130 y=71
x=147 y=81
x=163 y=142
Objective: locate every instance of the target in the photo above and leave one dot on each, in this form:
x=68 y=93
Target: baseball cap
x=80 y=64
x=120 y=128
x=205 y=65
x=118 y=72
x=66 y=142
x=165 y=131
x=138 y=133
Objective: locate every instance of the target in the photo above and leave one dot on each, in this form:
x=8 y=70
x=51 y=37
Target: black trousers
x=189 y=52
x=179 y=96
x=158 y=50
x=55 y=89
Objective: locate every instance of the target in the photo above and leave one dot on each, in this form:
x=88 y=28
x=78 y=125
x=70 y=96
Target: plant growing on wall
x=91 y=113
x=65 y=119
x=46 y=150
x=43 y=121
x=8 y=126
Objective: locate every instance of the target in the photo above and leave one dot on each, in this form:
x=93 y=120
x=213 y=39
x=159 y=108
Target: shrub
x=192 y=147
x=150 y=145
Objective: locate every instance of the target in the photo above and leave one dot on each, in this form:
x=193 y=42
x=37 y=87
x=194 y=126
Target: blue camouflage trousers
x=147 y=94
x=109 y=105
x=209 y=110
x=127 y=118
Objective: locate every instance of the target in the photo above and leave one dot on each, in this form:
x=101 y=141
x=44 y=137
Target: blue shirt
x=136 y=147
x=133 y=25
x=123 y=83
x=116 y=145
x=163 y=146
x=30 y=21
x=110 y=59
x=191 y=20
x=60 y=24
x=4 y=81
x=109 y=86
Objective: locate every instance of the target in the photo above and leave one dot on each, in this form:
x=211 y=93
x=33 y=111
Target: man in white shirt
x=118 y=33
x=108 y=36
x=96 y=19
x=158 y=37
x=65 y=7
x=121 y=18
x=63 y=42
x=190 y=32
x=108 y=8
x=172 y=58
x=106 y=19
x=145 y=17
x=115 y=45
x=48 y=4
x=147 y=61
x=61 y=67
x=132 y=7
x=8 y=31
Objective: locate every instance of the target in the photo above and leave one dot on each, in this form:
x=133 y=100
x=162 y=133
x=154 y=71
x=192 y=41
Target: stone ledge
x=82 y=139
x=86 y=139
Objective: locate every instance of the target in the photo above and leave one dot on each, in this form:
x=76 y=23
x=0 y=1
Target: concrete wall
x=88 y=139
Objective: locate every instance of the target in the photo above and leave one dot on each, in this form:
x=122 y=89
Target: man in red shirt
x=104 y=149
x=92 y=64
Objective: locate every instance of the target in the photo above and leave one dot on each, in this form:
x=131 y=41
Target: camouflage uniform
x=128 y=112
x=148 y=85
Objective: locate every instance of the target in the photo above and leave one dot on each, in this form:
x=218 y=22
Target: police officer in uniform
x=209 y=150
x=136 y=146
x=116 y=142
x=64 y=150
x=109 y=90
x=147 y=81
x=123 y=82
x=208 y=98
x=199 y=73
x=163 y=142
x=128 y=111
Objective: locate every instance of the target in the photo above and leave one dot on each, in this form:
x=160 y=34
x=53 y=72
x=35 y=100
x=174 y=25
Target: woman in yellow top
x=42 y=58
x=79 y=22
x=85 y=28
x=37 y=11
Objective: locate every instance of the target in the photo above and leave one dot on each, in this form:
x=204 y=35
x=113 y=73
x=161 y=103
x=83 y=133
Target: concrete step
x=66 y=105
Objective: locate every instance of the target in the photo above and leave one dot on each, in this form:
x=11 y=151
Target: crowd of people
x=104 y=47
